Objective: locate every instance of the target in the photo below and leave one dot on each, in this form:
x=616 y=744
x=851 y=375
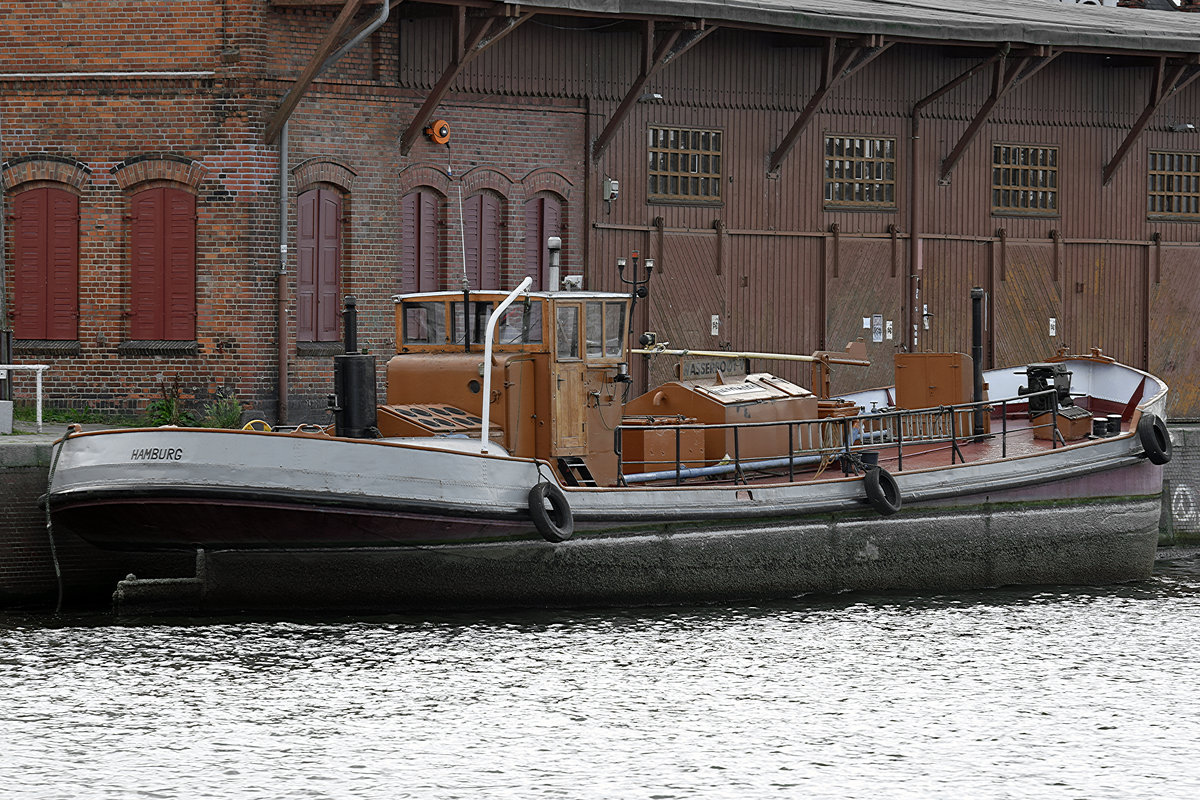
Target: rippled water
x=1021 y=694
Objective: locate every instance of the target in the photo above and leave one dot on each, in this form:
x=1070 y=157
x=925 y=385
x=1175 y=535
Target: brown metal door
x=1105 y=300
x=1027 y=306
x=687 y=290
x=866 y=282
x=1174 y=354
x=951 y=269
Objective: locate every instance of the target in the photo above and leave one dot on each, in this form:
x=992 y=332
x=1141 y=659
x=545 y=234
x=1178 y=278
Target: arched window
x=319 y=270
x=162 y=269
x=420 y=245
x=481 y=233
x=46 y=268
x=543 y=219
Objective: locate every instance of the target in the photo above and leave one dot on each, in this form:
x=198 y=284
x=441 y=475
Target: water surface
x=1046 y=693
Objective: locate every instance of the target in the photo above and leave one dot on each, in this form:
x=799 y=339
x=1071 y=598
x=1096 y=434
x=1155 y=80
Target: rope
x=49 y=527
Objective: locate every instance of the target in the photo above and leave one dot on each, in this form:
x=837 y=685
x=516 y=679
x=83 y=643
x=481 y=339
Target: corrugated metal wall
x=783 y=273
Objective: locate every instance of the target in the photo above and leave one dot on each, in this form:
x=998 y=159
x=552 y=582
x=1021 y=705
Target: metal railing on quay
x=38 y=369
x=815 y=443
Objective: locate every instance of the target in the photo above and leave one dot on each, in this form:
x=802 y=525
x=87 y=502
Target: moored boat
x=508 y=466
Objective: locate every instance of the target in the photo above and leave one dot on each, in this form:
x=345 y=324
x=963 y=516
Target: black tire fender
x=556 y=523
x=882 y=491
x=1155 y=438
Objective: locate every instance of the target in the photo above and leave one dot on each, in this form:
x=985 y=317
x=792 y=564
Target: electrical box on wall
x=609 y=189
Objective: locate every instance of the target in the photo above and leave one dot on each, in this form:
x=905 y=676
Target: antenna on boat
x=641 y=286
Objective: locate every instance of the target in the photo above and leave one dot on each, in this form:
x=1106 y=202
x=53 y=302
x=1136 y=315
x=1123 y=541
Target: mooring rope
x=49 y=527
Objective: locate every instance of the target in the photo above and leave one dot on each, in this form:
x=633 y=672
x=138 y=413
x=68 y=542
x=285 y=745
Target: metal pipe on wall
x=281 y=279
x=3 y=239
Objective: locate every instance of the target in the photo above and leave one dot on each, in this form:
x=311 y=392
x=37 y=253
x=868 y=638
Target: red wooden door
x=318 y=273
x=543 y=219
x=46 y=264
x=419 y=245
x=481 y=228
x=162 y=270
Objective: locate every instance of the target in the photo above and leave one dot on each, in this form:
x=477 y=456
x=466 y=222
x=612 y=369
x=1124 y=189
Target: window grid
x=860 y=172
x=1174 y=189
x=1024 y=179
x=685 y=165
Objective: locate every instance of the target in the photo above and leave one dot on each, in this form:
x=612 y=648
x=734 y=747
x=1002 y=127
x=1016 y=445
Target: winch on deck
x=1050 y=411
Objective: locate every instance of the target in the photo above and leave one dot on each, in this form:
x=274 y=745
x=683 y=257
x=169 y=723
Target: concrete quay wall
x=28 y=578
x=1180 y=524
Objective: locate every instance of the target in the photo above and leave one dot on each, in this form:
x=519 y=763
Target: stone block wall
x=1181 y=488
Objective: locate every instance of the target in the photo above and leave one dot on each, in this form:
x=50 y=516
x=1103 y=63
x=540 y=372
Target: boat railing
x=851 y=442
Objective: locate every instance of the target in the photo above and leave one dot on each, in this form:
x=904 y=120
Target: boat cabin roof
x=497 y=294
x=588 y=327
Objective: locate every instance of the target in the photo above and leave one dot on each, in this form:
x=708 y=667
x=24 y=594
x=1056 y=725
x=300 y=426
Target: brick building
x=793 y=168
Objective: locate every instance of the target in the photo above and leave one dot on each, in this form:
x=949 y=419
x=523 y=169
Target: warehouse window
x=46 y=265
x=482 y=214
x=1174 y=185
x=1024 y=179
x=420 y=240
x=319 y=265
x=860 y=172
x=543 y=219
x=162 y=279
x=685 y=165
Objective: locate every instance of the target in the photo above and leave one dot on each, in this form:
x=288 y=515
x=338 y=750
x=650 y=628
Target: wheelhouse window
x=319 y=272
x=46 y=265
x=163 y=265
x=1174 y=185
x=860 y=172
x=424 y=323
x=1024 y=180
x=685 y=165
x=521 y=323
x=605 y=329
x=566 y=332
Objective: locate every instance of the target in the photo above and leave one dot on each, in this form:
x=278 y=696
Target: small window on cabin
x=424 y=323
x=1024 y=180
x=521 y=323
x=614 y=329
x=478 y=322
x=595 y=330
x=1174 y=186
x=860 y=173
x=566 y=332
x=685 y=165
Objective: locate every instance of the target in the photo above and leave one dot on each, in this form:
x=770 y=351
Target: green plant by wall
x=224 y=412
x=169 y=409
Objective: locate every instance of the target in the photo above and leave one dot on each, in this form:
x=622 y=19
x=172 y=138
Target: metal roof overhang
x=1044 y=23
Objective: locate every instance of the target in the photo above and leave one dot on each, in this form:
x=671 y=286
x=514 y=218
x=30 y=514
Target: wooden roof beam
x=467 y=44
x=834 y=70
x=656 y=53
x=292 y=98
x=1004 y=78
x=1163 y=86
